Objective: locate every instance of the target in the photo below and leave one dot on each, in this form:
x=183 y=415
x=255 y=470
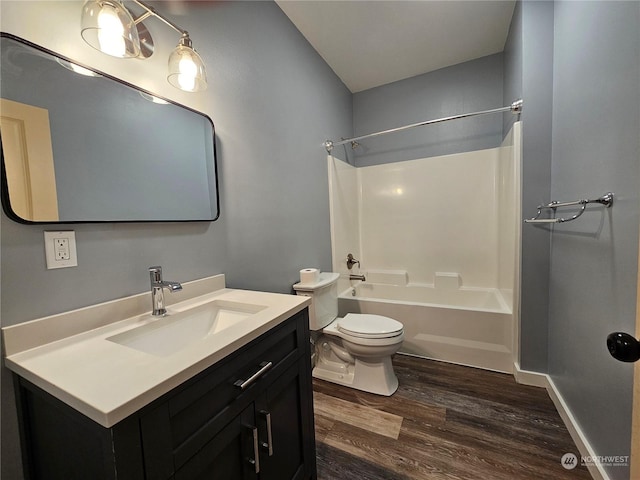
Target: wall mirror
x=86 y=147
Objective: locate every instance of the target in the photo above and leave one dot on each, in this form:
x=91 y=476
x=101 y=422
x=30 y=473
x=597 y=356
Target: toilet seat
x=369 y=326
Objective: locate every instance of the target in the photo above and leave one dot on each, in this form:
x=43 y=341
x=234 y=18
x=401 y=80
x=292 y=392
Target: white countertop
x=107 y=381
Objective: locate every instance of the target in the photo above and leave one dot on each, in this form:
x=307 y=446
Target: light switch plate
x=60 y=249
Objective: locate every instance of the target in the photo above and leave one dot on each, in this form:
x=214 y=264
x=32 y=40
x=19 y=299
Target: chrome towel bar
x=606 y=200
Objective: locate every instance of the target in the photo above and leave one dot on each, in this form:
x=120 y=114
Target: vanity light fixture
x=108 y=26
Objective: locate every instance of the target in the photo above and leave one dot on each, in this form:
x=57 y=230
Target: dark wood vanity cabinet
x=208 y=428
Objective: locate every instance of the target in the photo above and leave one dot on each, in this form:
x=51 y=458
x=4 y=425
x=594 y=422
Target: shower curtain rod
x=515 y=108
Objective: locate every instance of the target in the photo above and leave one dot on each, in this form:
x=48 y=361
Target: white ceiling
x=369 y=43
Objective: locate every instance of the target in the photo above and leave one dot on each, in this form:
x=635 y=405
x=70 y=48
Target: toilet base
x=373 y=375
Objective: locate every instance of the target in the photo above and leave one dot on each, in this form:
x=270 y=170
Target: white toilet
x=356 y=350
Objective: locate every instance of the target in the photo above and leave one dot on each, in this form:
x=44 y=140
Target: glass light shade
x=186 y=69
x=108 y=26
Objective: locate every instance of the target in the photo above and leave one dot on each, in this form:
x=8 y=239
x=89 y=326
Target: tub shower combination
x=447 y=269
x=466 y=326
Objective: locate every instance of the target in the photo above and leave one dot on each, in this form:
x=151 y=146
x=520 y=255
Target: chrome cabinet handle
x=242 y=384
x=269 y=445
x=255 y=461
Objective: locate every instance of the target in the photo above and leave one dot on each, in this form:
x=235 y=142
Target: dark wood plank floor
x=444 y=422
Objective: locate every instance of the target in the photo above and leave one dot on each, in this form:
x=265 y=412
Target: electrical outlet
x=60 y=249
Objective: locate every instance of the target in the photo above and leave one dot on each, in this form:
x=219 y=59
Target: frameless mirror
x=81 y=146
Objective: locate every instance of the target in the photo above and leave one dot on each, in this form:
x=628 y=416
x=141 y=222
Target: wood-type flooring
x=445 y=422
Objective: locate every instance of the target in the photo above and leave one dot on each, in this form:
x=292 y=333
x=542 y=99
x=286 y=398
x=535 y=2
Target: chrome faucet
x=357 y=277
x=157 y=290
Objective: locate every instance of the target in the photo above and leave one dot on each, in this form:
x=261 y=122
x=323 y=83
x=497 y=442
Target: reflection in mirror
x=89 y=148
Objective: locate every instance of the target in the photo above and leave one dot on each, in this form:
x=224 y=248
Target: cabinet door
x=175 y=430
x=281 y=416
x=231 y=455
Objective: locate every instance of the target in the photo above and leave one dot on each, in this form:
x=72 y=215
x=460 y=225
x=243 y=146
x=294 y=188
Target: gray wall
x=537 y=93
x=580 y=138
x=512 y=66
x=596 y=148
x=274 y=101
x=467 y=87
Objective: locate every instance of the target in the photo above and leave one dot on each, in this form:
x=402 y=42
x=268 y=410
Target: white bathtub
x=469 y=326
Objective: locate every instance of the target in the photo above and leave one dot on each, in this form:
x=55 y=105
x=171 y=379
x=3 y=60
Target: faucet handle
x=351 y=261
x=156 y=274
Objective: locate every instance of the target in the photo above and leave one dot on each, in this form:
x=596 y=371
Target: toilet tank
x=324 y=299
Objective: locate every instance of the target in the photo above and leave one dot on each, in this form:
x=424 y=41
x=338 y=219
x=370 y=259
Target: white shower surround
x=457 y=216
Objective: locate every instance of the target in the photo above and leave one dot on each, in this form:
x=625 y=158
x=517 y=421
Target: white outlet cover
x=49 y=250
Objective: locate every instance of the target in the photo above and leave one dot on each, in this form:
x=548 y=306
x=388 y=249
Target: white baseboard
x=526 y=377
x=543 y=380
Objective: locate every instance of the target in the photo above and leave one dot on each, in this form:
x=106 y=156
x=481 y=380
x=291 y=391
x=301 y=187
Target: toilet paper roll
x=309 y=275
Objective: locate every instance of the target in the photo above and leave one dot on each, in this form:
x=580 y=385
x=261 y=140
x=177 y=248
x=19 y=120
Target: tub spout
x=357 y=277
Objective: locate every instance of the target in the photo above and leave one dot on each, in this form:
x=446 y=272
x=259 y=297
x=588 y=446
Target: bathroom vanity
x=231 y=401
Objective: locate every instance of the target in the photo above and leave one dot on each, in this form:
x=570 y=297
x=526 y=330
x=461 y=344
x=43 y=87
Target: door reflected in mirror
x=81 y=146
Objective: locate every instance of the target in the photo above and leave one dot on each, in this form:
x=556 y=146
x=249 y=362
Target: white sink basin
x=173 y=332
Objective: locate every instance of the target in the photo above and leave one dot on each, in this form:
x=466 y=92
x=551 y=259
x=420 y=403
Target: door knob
x=623 y=347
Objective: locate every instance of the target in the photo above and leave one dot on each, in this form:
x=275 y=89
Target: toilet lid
x=369 y=326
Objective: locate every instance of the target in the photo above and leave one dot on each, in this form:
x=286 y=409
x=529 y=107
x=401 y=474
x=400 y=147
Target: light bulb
x=110 y=35
x=187 y=76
